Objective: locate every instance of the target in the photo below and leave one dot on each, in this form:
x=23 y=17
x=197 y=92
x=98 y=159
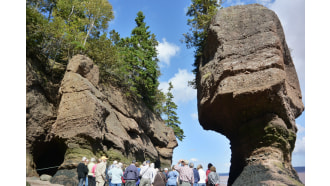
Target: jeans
x=195 y=184
x=81 y=181
x=116 y=184
x=202 y=184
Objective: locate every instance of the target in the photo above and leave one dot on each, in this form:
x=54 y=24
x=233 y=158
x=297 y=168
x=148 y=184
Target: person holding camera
x=186 y=174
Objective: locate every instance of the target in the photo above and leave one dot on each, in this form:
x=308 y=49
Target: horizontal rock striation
x=93 y=120
x=248 y=90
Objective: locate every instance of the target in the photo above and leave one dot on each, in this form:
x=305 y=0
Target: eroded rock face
x=248 y=90
x=93 y=120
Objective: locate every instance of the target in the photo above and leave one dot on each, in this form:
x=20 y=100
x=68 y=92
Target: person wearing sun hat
x=100 y=177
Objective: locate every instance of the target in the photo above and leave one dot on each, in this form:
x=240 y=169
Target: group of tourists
x=92 y=173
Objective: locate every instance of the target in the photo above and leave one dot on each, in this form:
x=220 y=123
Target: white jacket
x=202 y=176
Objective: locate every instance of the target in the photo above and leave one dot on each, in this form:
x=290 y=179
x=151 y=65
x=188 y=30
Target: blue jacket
x=172 y=176
x=131 y=173
x=196 y=175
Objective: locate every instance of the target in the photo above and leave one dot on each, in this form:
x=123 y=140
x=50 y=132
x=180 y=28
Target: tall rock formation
x=90 y=120
x=248 y=90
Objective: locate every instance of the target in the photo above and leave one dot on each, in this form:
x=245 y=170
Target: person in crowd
x=120 y=165
x=208 y=172
x=86 y=180
x=82 y=171
x=154 y=172
x=213 y=177
x=160 y=179
x=113 y=165
x=146 y=174
x=91 y=176
x=166 y=174
x=100 y=172
x=137 y=165
x=196 y=175
x=172 y=177
x=131 y=174
x=116 y=174
x=186 y=174
x=202 y=176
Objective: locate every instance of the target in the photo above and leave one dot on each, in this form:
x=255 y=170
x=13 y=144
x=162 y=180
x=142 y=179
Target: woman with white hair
x=116 y=173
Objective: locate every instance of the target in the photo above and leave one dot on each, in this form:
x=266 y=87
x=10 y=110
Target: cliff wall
x=79 y=117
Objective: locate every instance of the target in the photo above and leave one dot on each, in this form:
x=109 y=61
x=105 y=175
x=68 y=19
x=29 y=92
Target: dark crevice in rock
x=48 y=155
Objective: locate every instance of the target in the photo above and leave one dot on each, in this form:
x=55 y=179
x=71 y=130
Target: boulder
x=45 y=177
x=248 y=90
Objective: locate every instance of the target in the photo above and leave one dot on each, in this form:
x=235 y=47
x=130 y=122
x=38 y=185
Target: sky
x=168 y=21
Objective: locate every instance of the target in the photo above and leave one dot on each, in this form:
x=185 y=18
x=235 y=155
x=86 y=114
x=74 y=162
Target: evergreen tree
x=172 y=120
x=201 y=12
x=140 y=53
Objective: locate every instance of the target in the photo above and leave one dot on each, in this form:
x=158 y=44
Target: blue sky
x=167 y=20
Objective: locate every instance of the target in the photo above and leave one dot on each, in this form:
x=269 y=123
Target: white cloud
x=292 y=16
x=181 y=91
x=166 y=51
x=193 y=159
x=300 y=146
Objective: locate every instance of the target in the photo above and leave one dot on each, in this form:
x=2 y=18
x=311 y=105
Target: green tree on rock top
x=172 y=120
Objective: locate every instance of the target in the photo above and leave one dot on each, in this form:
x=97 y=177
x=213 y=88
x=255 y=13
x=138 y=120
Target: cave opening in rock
x=48 y=156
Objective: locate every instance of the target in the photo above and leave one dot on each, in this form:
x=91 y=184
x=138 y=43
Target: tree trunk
x=89 y=31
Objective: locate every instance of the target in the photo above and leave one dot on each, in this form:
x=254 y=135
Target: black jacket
x=82 y=170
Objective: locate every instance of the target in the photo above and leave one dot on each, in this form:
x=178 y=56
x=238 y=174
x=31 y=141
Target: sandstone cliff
x=88 y=119
x=248 y=90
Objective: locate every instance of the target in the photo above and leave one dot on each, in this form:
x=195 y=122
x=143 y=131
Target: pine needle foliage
x=202 y=12
x=172 y=120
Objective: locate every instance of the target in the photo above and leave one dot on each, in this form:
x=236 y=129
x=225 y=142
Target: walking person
x=91 y=176
x=172 y=177
x=196 y=175
x=100 y=172
x=131 y=175
x=82 y=171
x=160 y=179
x=146 y=174
x=202 y=176
x=186 y=174
x=116 y=173
x=214 y=179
